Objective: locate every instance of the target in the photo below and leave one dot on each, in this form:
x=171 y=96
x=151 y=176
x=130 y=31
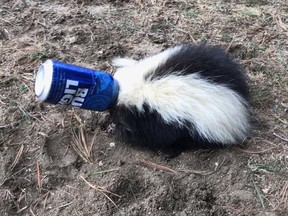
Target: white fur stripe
x=131 y=77
x=219 y=113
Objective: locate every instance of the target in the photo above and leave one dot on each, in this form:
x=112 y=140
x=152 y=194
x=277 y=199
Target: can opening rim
x=39 y=84
x=43 y=80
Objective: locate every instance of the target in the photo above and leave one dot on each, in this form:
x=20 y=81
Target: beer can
x=61 y=83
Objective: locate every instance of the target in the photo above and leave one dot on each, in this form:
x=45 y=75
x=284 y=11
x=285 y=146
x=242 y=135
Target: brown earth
x=44 y=167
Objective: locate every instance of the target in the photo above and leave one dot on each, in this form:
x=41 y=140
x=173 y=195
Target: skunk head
x=192 y=94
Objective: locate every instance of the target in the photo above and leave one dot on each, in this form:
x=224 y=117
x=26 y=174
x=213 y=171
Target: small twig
x=83 y=139
x=106 y=171
x=79 y=144
x=284 y=193
x=9 y=125
x=5 y=20
x=205 y=172
x=17 y=158
x=38 y=177
x=98 y=188
x=44 y=204
x=43 y=134
x=21 y=196
x=256 y=152
x=63 y=122
x=157 y=166
x=270 y=143
x=12 y=198
x=229 y=46
x=31 y=211
x=258 y=192
x=36 y=202
x=66 y=204
x=22 y=209
x=78 y=118
x=281 y=137
x=260 y=151
x=13 y=175
x=92 y=142
x=101 y=190
x=281 y=120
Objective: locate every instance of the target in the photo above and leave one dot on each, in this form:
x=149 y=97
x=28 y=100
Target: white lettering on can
x=73 y=95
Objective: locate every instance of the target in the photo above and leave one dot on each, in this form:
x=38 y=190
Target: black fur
x=148 y=129
x=210 y=62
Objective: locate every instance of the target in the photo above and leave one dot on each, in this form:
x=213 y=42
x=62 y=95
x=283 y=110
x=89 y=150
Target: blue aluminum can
x=60 y=83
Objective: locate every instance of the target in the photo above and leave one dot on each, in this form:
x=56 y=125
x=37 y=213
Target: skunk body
x=189 y=95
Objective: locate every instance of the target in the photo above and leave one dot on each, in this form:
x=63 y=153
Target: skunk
x=185 y=96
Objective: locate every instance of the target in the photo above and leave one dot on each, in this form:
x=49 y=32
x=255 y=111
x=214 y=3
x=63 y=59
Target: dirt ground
x=56 y=160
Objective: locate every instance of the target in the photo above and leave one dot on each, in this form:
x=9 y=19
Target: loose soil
x=44 y=166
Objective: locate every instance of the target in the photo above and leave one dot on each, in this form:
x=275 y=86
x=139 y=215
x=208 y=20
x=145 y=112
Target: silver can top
x=44 y=80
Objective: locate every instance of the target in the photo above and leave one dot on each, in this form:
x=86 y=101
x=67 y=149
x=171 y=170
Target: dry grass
x=90 y=34
x=157 y=166
x=284 y=195
x=282 y=137
x=205 y=173
x=39 y=183
x=36 y=202
x=79 y=143
x=102 y=190
x=17 y=158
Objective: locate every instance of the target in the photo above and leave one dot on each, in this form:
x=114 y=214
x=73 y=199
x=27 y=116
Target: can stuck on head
x=60 y=83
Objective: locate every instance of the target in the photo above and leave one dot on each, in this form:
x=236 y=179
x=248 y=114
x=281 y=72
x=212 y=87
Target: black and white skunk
x=189 y=95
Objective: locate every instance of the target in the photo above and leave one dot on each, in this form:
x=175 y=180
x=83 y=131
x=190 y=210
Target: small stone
x=265 y=190
x=112 y=145
x=100 y=164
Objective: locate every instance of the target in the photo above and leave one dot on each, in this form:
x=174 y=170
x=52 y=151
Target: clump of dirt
x=45 y=168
